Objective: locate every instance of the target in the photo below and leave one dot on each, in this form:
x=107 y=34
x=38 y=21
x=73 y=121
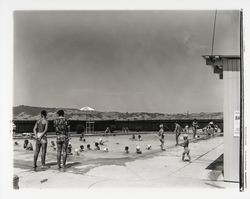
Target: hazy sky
x=131 y=61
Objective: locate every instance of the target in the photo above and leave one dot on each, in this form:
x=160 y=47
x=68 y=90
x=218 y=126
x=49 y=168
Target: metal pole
x=242 y=170
x=213 y=32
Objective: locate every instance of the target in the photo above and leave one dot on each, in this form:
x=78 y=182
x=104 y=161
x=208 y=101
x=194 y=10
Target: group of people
x=62 y=138
x=63 y=146
x=139 y=137
x=61 y=126
x=178 y=130
x=210 y=129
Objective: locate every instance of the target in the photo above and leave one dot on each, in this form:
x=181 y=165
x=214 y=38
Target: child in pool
x=81 y=148
x=29 y=147
x=101 y=141
x=139 y=138
x=69 y=149
x=89 y=147
x=126 y=149
x=25 y=143
x=138 y=150
x=97 y=146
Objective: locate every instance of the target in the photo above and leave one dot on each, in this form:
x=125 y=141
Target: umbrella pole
x=86 y=122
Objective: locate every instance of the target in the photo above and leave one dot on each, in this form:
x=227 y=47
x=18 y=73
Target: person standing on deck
x=194 y=127
x=107 y=131
x=186 y=149
x=161 y=137
x=62 y=132
x=177 y=131
x=40 y=131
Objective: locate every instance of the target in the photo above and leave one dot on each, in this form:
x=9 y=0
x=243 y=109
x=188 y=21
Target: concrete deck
x=162 y=169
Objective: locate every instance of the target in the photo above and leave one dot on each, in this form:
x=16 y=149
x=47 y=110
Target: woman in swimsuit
x=40 y=131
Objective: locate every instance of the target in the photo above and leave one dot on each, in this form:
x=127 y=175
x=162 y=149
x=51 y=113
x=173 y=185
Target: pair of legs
x=177 y=137
x=40 y=144
x=62 y=150
x=186 y=151
x=162 y=144
x=194 y=131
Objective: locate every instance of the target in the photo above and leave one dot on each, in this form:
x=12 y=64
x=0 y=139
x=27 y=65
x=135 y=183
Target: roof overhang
x=216 y=61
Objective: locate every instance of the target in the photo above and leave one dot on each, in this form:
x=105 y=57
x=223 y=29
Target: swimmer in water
x=89 y=147
x=81 y=148
x=97 y=146
x=126 y=149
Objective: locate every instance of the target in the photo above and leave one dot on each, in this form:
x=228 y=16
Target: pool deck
x=163 y=169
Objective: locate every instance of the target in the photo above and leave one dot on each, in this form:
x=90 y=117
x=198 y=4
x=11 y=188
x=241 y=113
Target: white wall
x=231 y=78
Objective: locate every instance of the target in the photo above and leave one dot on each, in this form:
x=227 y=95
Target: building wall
x=231 y=78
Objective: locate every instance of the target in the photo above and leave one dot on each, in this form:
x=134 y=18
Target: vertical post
x=242 y=150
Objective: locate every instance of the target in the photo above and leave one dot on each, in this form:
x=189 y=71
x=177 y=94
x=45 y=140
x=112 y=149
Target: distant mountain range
x=33 y=113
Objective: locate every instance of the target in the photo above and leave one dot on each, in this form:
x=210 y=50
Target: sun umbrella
x=86 y=109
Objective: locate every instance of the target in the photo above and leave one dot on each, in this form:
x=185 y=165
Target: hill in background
x=33 y=113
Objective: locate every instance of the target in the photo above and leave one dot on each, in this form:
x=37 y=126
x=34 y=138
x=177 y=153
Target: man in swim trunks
x=177 y=131
x=194 y=127
x=40 y=131
x=62 y=132
x=161 y=137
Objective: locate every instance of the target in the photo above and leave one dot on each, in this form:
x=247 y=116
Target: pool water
x=114 y=144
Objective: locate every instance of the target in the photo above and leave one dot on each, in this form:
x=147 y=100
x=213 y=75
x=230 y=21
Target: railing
x=100 y=125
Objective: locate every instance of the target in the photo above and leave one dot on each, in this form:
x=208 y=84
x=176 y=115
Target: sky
x=128 y=61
